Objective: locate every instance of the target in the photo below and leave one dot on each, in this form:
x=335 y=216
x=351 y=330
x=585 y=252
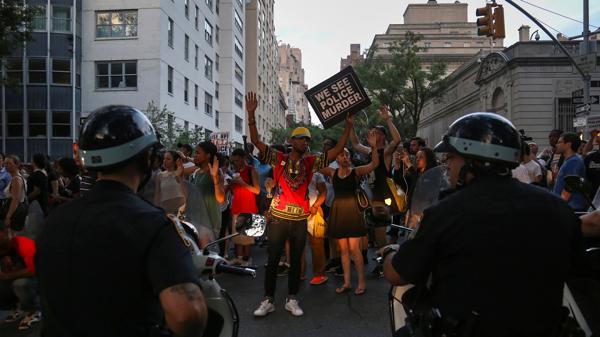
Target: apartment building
x=262 y=63
x=291 y=80
x=186 y=55
x=40 y=108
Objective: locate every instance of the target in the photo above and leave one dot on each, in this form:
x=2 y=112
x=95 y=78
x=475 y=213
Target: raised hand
x=251 y=103
x=214 y=168
x=350 y=120
x=384 y=112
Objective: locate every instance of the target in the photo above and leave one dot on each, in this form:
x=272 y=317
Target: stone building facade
x=530 y=83
x=291 y=81
x=446 y=33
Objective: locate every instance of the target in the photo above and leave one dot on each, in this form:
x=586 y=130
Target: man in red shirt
x=17 y=272
x=289 y=209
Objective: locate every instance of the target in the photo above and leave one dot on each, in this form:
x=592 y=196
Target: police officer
x=110 y=263
x=496 y=252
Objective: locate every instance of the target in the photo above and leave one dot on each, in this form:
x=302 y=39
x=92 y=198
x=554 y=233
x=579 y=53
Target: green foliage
x=399 y=82
x=15 y=28
x=171 y=132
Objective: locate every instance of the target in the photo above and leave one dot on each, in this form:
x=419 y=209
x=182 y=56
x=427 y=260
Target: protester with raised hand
x=346 y=224
x=290 y=206
x=385 y=151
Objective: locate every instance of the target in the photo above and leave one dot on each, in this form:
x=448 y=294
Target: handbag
x=17 y=220
x=316 y=225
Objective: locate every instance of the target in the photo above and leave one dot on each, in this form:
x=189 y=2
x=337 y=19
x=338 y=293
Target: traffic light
x=485 y=23
x=499 y=22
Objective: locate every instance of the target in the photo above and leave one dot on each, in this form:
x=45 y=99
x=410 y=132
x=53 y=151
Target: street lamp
x=537 y=35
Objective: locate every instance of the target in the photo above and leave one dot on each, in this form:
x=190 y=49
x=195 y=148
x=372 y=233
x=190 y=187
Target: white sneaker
x=30 y=319
x=265 y=308
x=292 y=306
x=14 y=316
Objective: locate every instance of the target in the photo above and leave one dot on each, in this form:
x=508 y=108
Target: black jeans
x=278 y=231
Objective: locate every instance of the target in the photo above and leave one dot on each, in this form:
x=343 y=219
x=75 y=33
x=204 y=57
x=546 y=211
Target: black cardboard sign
x=336 y=97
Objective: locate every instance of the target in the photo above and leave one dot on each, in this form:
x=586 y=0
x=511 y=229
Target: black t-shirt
x=380 y=186
x=40 y=180
x=499 y=247
x=592 y=170
x=102 y=261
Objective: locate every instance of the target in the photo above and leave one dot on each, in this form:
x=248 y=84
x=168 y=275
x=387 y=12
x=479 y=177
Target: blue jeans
x=25 y=289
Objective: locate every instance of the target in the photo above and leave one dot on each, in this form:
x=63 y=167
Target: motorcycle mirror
x=575 y=184
x=253 y=225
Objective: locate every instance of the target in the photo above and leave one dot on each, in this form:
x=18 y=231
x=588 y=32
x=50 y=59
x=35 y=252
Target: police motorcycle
x=223 y=319
x=426 y=193
x=404 y=307
x=585 y=292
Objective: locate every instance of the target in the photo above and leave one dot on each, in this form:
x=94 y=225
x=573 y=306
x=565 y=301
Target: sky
x=324 y=29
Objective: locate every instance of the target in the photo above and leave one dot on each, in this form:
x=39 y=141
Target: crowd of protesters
x=304 y=196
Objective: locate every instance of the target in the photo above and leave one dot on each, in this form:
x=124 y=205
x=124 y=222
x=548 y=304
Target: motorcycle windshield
x=427 y=189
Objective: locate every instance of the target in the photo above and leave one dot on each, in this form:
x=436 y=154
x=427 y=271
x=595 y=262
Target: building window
x=116 y=24
x=186 y=85
x=217 y=62
x=239 y=73
x=61 y=19
x=239 y=99
x=197 y=51
x=208 y=103
x=217 y=5
x=14 y=70
x=61 y=72
x=197 y=18
x=447 y=44
x=208 y=68
x=37 y=123
x=186 y=5
x=61 y=123
x=238 y=124
x=208 y=32
x=217 y=90
x=239 y=2
x=37 y=71
x=217 y=118
x=239 y=24
x=186 y=48
x=209 y=4
x=196 y=96
x=427 y=44
x=239 y=49
x=207 y=133
x=14 y=123
x=170 y=80
x=39 y=20
x=170 y=27
x=217 y=33
x=466 y=44
x=116 y=75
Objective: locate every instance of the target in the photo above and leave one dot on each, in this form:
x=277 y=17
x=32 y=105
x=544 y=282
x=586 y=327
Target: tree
x=400 y=82
x=15 y=28
x=171 y=132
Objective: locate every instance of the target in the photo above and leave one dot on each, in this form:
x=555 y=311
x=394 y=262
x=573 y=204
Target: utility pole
x=585 y=48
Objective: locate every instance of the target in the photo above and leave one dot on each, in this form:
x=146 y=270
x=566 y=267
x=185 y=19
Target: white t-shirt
x=533 y=169
x=521 y=173
x=313 y=192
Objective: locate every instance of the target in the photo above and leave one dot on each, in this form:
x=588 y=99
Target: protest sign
x=337 y=97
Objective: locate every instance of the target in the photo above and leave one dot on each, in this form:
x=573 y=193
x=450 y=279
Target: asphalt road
x=325 y=312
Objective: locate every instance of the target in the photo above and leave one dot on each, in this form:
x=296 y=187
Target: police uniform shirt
x=499 y=247
x=102 y=261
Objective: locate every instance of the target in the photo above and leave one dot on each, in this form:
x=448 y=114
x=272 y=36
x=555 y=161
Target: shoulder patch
x=179 y=229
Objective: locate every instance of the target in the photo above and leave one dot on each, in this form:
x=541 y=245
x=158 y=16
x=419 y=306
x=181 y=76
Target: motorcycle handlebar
x=223 y=268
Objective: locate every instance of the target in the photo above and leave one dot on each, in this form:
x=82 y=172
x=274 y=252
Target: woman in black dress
x=346 y=223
